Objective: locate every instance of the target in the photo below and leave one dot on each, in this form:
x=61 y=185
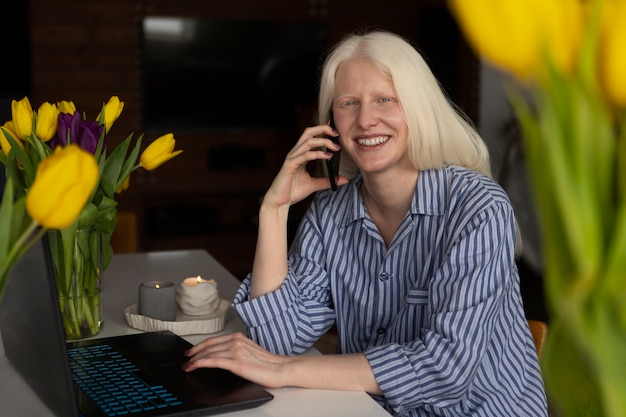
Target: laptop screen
x=32 y=332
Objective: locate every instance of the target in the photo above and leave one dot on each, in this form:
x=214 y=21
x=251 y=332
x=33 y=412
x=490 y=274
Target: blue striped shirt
x=438 y=313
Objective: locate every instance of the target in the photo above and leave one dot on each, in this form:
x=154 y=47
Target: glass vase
x=78 y=263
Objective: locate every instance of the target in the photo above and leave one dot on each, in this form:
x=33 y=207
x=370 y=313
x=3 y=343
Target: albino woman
x=413 y=257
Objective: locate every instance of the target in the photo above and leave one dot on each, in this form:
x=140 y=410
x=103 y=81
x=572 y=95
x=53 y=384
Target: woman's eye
x=385 y=99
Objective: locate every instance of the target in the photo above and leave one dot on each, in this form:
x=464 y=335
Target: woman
x=412 y=257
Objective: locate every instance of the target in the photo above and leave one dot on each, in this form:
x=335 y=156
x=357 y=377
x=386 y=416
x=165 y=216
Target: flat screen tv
x=224 y=74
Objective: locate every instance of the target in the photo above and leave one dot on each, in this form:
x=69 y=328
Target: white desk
x=121 y=281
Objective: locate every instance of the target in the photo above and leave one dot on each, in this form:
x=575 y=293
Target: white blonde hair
x=439 y=133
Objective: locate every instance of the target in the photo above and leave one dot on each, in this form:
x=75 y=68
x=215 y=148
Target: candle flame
x=158 y=286
x=199 y=279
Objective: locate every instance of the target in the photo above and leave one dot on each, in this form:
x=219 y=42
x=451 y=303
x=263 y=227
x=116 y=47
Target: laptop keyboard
x=109 y=379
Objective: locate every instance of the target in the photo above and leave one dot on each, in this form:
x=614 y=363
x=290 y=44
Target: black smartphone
x=332 y=164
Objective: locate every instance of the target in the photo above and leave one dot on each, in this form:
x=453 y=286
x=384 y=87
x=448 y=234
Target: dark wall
x=16 y=67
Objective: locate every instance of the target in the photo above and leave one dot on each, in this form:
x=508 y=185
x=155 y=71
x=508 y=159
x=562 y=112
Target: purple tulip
x=72 y=129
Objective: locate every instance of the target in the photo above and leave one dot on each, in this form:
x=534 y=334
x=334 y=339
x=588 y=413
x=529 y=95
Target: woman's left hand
x=240 y=355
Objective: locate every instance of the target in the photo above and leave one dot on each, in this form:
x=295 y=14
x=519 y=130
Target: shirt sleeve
x=289 y=320
x=468 y=294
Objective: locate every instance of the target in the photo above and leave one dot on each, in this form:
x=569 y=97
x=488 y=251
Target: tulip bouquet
x=570 y=58
x=39 y=151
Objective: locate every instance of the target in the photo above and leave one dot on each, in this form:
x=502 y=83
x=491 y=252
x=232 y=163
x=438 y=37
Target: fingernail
x=335 y=132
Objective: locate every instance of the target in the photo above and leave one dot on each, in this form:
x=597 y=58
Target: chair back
x=539 y=330
x=125 y=238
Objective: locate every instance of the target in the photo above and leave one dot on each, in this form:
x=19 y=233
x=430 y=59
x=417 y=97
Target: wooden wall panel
x=87 y=51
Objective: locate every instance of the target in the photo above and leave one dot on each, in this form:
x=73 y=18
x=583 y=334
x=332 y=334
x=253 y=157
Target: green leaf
x=15 y=173
x=107 y=216
x=107 y=250
x=54 y=241
x=68 y=236
x=41 y=149
x=20 y=219
x=82 y=250
x=16 y=236
x=6 y=215
x=106 y=186
x=107 y=203
x=130 y=163
x=87 y=216
x=29 y=165
x=100 y=151
x=614 y=284
x=114 y=163
x=572 y=385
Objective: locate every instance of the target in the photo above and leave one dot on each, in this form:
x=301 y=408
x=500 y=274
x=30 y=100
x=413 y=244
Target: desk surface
x=120 y=284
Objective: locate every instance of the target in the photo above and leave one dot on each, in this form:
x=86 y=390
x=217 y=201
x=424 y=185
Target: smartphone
x=332 y=164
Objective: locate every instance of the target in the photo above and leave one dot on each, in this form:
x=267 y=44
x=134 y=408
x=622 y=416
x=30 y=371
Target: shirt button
x=381 y=330
x=384 y=276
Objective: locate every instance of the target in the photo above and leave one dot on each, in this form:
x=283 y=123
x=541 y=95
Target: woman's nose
x=367 y=117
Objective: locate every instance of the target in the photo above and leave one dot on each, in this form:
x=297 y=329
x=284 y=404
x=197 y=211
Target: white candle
x=157 y=299
x=197 y=296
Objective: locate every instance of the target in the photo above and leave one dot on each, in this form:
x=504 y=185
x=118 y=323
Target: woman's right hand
x=291 y=185
x=293 y=182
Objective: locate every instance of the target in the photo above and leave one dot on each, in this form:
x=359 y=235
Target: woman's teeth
x=373 y=141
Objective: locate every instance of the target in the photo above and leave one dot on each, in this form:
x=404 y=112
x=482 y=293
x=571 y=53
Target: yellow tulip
x=124 y=186
x=613 y=52
x=515 y=35
x=22 y=113
x=112 y=111
x=158 y=152
x=63 y=184
x=47 y=121
x=4 y=143
x=562 y=30
x=66 y=107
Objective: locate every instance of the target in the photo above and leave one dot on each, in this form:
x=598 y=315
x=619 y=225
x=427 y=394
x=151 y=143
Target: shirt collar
x=427 y=200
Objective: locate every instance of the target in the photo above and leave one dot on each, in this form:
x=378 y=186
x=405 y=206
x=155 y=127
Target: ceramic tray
x=183 y=325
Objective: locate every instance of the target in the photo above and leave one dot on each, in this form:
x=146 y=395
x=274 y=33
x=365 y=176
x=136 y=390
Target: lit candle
x=157 y=299
x=197 y=296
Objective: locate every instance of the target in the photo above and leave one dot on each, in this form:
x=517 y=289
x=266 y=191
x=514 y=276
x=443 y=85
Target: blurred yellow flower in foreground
x=572 y=118
x=63 y=184
x=158 y=152
x=612 y=54
x=517 y=35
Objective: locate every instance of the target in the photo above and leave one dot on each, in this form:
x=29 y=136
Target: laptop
x=74 y=378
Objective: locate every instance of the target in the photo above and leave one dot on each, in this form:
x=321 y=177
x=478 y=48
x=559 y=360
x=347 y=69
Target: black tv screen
x=222 y=74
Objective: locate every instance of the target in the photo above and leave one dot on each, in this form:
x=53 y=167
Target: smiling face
x=369 y=119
